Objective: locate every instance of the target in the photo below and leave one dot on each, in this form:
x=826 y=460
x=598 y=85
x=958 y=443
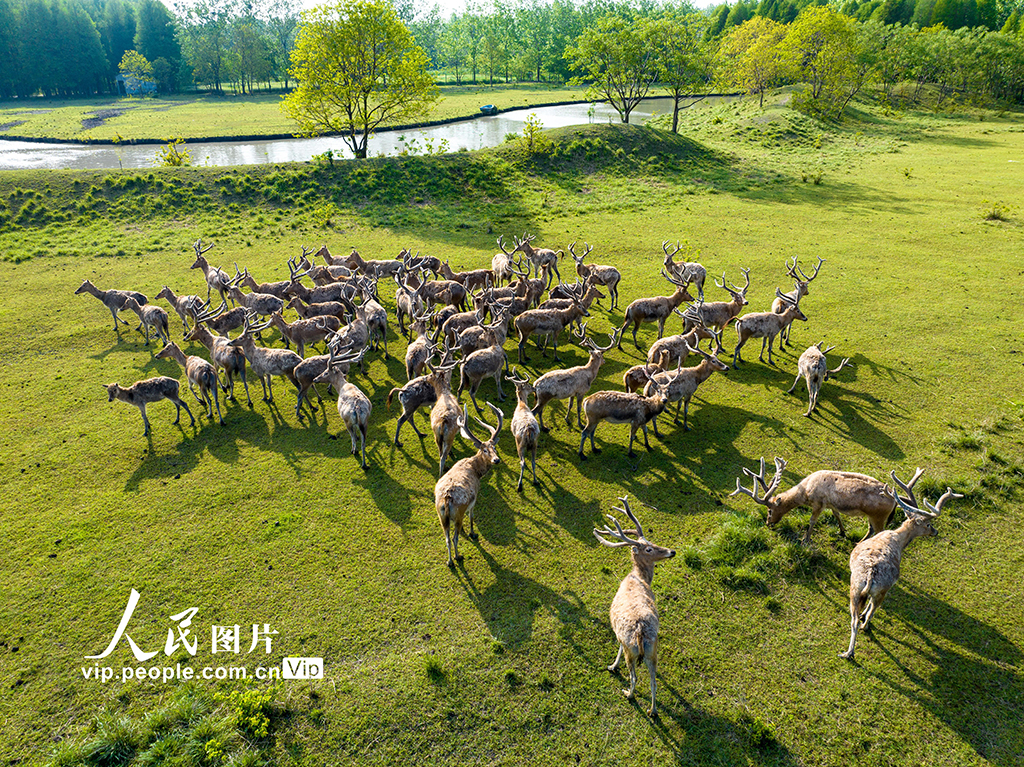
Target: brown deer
x=216 y=278
x=302 y=332
x=542 y=258
x=384 y=268
x=198 y=372
x=501 y=264
x=456 y=492
x=766 y=325
x=524 y=426
x=142 y=393
x=419 y=392
x=574 y=382
x=844 y=492
x=633 y=614
x=622 y=407
x=548 y=323
x=476 y=279
x=353 y=406
x=444 y=416
x=186 y=306
x=309 y=311
x=484 y=363
x=686 y=272
x=800 y=283
x=599 y=274
x=221 y=320
x=150 y=317
x=655 y=309
x=278 y=288
x=718 y=314
x=813 y=367
x=875 y=563
x=263 y=304
x=266 y=363
x=684 y=382
x=224 y=357
x=112 y=299
x=419 y=349
x=668 y=350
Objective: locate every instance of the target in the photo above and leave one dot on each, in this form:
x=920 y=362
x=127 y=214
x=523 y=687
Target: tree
x=249 y=58
x=821 y=45
x=619 y=61
x=453 y=47
x=117 y=31
x=8 y=50
x=754 y=55
x=357 y=67
x=134 y=64
x=685 y=61
x=204 y=39
x=156 y=35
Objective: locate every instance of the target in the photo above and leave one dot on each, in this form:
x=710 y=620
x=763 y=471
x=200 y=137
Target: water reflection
x=474 y=133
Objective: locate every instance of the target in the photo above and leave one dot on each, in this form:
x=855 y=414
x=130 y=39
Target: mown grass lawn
x=268 y=519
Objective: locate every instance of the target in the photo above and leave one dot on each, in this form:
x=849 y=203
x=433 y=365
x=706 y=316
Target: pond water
x=473 y=133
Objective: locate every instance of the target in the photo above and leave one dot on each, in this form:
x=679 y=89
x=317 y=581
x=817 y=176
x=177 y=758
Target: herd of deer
x=342 y=311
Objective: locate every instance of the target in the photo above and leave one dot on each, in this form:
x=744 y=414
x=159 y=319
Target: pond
x=472 y=133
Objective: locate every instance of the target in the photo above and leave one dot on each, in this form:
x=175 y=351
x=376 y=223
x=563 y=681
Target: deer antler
x=816 y=270
x=768 y=489
x=908 y=487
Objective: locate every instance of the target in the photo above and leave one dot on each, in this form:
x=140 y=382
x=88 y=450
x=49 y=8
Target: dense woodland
x=75 y=47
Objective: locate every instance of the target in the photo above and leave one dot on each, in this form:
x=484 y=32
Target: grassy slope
x=268 y=520
x=199 y=115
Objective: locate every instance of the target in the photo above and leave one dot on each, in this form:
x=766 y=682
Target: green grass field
x=198 y=115
x=502 y=661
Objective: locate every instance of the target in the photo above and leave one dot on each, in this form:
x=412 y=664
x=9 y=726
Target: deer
x=376 y=316
x=455 y=493
x=599 y=274
x=263 y=304
x=419 y=349
x=324 y=309
x=319 y=294
x=718 y=314
x=525 y=428
x=216 y=278
x=484 y=363
x=501 y=264
x=198 y=372
x=476 y=279
x=278 y=288
x=655 y=309
x=844 y=492
x=150 y=317
x=353 y=406
x=457 y=323
x=185 y=305
x=431 y=264
x=444 y=415
x=302 y=332
x=408 y=302
x=800 y=283
x=622 y=407
x=221 y=320
x=633 y=613
x=671 y=349
x=112 y=299
x=419 y=392
x=541 y=258
x=587 y=290
x=447 y=292
x=142 y=393
x=574 y=382
x=266 y=363
x=766 y=325
x=684 y=382
x=875 y=563
x=478 y=337
x=306 y=373
x=356 y=334
x=224 y=357
x=814 y=368
x=385 y=268
x=686 y=271
x=636 y=377
x=547 y=322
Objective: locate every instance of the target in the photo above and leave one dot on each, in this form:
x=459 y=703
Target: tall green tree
x=117 y=32
x=357 y=68
x=205 y=39
x=156 y=38
x=685 y=61
x=619 y=62
x=753 y=56
x=9 y=59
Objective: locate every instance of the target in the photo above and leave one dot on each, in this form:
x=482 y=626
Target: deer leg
x=795 y=382
x=858 y=603
x=145 y=421
x=618 y=659
x=839 y=521
x=522 y=470
x=522 y=357
x=631 y=666
x=180 y=403
x=538 y=410
x=760 y=356
x=876 y=601
x=472 y=392
x=686 y=410
x=263 y=380
x=216 y=401
x=661 y=328
x=736 y=352
x=814 y=517
x=362 y=442
x=579 y=419
x=245 y=383
x=632 y=436
x=654 y=422
x=636 y=327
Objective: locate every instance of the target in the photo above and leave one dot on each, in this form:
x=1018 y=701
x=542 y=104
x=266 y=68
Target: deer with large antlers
x=302 y=332
x=844 y=492
x=263 y=304
x=814 y=368
x=484 y=363
x=375 y=314
x=475 y=279
x=371 y=268
x=112 y=299
x=142 y=393
x=622 y=407
x=216 y=278
x=548 y=323
x=310 y=311
x=419 y=349
x=353 y=406
x=455 y=493
x=186 y=306
x=669 y=350
x=599 y=274
x=408 y=303
x=266 y=363
x=800 y=283
x=150 y=317
x=574 y=382
x=444 y=416
x=686 y=272
x=419 y=392
x=655 y=309
x=225 y=357
x=766 y=325
x=524 y=426
x=634 y=614
x=221 y=320
x=198 y=372
x=501 y=264
x=875 y=563
x=683 y=383
x=544 y=259
x=278 y=288
x=718 y=314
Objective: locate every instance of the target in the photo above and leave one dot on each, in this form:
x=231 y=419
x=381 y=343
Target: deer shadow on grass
x=974 y=682
x=509 y=605
x=393 y=499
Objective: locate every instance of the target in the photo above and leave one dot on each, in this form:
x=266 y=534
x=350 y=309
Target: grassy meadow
x=502 y=660
x=202 y=114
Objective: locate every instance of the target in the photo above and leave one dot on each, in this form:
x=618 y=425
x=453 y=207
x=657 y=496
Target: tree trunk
x=675 y=114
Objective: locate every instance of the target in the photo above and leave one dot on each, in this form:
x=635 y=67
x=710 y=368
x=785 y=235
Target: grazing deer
x=224 y=357
x=456 y=492
x=684 y=382
x=875 y=563
x=622 y=407
x=353 y=406
x=548 y=323
x=112 y=299
x=524 y=426
x=800 y=290
x=633 y=614
x=444 y=416
x=655 y=309
x=216 y=278
x=813 y=367
x=151 y=317
x=266 y=363
x=186 y=306
x=302 y=332
x=766 y=325
x=574 y=382
x=718 y=314
x=686 y=271
x=541 y=258
x=598 y=274
x=145 y=392
x=198 y=372
x=844 y=492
